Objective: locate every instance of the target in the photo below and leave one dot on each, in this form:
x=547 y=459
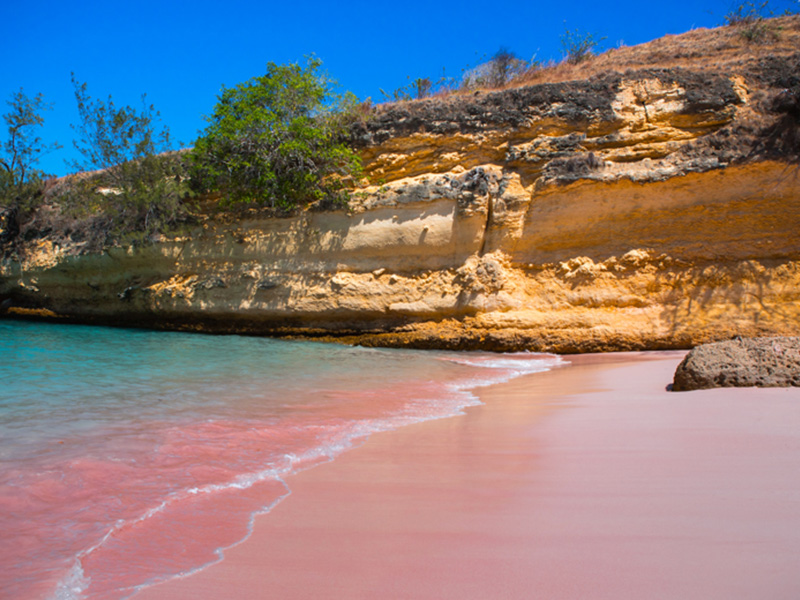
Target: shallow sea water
x=129 y=457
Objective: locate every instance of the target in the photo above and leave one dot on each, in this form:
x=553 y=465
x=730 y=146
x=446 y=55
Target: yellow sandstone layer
x=578 y=226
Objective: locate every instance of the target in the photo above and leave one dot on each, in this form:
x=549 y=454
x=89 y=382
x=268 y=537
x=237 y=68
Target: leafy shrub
x=151 y=199
x=278 y=140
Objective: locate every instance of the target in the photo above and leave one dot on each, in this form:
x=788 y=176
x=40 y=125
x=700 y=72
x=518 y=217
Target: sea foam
x=130 y=457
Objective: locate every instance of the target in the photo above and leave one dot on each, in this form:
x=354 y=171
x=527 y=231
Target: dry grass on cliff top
x=721 y=49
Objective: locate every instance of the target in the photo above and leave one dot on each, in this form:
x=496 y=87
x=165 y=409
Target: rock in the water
x=741 y=362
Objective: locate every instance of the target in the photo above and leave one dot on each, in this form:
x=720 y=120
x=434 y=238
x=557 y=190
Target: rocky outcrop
x=760 y=362
x=651 y=208
x=536 y=130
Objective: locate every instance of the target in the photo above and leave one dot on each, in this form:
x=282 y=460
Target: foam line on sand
x=587 y=481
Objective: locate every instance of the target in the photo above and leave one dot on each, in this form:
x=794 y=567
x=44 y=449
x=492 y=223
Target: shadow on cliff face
x=754 y=293
x=779 y=139
x=783 y=138
x=9 y=225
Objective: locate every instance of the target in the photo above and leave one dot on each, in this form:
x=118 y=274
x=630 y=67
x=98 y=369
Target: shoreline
x=451 y=334
x=587 y=480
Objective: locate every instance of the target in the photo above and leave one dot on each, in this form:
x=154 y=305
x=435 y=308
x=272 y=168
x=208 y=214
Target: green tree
x=23 y=147
x=278 y=140
x=138 y=182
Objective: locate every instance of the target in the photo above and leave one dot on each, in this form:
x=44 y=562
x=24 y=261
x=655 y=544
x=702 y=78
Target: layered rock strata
x=657 y=208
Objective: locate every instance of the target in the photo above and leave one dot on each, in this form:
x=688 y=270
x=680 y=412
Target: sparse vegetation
x=578 y=46
x=20 y=181
x=136 y=182
x=418 y=89
x=747 y=13
x=278 y=140
x=753 y=21
x=422 y=87
x=398 y=95
x=496 y=73
x=503 y=67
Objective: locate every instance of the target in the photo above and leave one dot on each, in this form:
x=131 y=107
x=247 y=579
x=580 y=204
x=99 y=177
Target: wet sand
x=588 y=481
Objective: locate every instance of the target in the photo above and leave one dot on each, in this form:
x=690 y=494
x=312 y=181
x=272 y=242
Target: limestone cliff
x=636 y=209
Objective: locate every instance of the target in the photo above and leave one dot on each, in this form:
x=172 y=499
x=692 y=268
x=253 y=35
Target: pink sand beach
x=587 y=481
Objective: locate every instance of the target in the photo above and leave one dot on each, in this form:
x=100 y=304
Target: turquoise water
x=128 y=457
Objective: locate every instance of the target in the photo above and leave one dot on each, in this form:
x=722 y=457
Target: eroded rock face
x=741 y=362
x=650 y=209
x=565 y=131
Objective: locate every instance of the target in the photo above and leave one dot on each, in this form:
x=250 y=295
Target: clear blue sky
x=180 y=53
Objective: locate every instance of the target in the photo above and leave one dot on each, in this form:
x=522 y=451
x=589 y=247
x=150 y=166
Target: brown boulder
x=741 y=362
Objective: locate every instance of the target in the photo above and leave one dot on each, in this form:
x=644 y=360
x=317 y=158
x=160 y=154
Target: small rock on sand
x=741 y=362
